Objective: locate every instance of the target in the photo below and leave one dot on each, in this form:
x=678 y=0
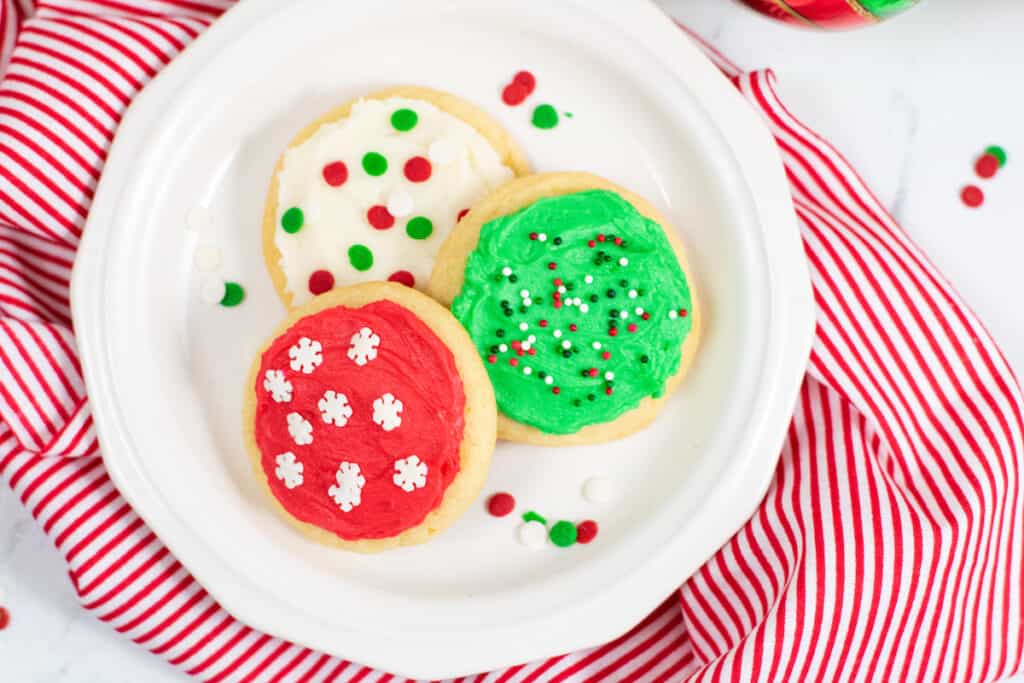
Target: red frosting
x=412 y=365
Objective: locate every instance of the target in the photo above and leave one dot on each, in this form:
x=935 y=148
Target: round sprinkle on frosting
x=404 y=119
x=379 y=217
x=234 y=294
x=360 y=257
x=375 y=164
x=335 y=173
x=292 y=220
x=419 y=228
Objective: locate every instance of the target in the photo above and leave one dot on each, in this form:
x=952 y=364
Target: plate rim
x=791 y=331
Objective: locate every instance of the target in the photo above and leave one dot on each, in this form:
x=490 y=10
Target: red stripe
x=85 y=515
x=171 y=621
x=127 y=556
x=76 y=64
x=145 y=615
x=90 y=53
x=131 y=600
x=31 y=194
x=116 y=516
x=81 y=92
x=73 y=477
x=201 y=644
x=77 y=499
x=267 y=662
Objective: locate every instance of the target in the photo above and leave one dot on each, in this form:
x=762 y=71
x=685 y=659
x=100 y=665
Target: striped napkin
x=888 y=548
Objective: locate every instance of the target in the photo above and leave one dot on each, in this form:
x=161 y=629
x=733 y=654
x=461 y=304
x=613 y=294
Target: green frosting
x=571 y=272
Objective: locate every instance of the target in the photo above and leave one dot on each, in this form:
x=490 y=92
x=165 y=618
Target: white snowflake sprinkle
x=503 y=347
x=639 y=310
x=363 y=347
x=549 y=380
x=577 y=301
x=609 y=375
x=557 y=333
x=596 y=345
x=524 y=327
x=288 y=470
x=543 y=237
x=387 y=412
x=526 y=345
x=280 y=388
x=306 y=355
x=567 y=344
x=632 y=294
x=527 y=370
x=673 y=315
x=562 y=289
x=624 y=314
x=532 y=339
x=410 y=473
x=623 y=261
x=300 y=429
x=525 y=293
x=584 y=308
x=588 y=279
x=527 y=301
x=334 y=408
x=506 y=271
x=348 y=493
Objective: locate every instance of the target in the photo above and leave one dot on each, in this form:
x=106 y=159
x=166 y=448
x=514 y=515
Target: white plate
x=165 y=371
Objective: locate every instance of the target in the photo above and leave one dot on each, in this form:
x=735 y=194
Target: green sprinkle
x=404 y=119
x=563 y=534
x=375 y=164
x=998 y=152
x=292 y=220
x=233 y=294
x=531 y=516
x=419 y=228
x=545 y=116
x=360 y=257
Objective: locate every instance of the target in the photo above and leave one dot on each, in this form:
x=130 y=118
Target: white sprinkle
x=207 y=258
x=532 y=339
x=557 y=333
x=639 y=310
x=584 y=308
x=532 y=534
x=549 y=380
x=525 y=293
x=567 y=302
x=623 y=261
x=197 y=218
x=596 y=345
x=527 y=301
x=561 y=289
x=503 y=347
x=588 y=279
x=523 y=327
x=527 y=370
x=212 y=290
x=506 y=271
x=624 y=314
x=577 y=301
x=567 y=344
x=673 y=315
x=598 y=489
x=542 y=237
x=526 y=345
x=632 y=294
x=400 y=203
x=609 y=375
x=442 y=151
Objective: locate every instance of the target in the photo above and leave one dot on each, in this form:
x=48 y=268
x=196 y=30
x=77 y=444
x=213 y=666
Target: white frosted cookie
x=371 y=190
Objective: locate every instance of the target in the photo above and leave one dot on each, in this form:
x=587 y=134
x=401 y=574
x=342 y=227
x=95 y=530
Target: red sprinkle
x=618 y=240
x=632 y=327
x=606 y=355
x=500 y=504
x=520 y=352
x=417 y=169
x=613 y=331
x=682 y=312
x=555 y=390
x=5 y=618
x=533 y=235
x=557 y=304
x=492 y=359
x=600 y=238
x=646 y=316
x=525 y=79
x=586 y=531
x=403 y=277
x=379 y=217
x=972 y=196
x=532 y=351
x=987 y=165
x=558 y=282
x=336 y=173
x=461 y=214
x=591 y=244
x=572 y=327
x=543 y=323
x=320 y=281
x=552 y=265
x=608 y=391
x=514 y=93
x=592 y=372
x=513 y=362
x=516 y=343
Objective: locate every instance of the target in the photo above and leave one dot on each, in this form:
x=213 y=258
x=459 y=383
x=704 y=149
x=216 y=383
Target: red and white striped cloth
x=887 y=548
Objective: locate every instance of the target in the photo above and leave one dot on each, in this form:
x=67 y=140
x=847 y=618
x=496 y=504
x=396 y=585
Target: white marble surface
x=910 y=102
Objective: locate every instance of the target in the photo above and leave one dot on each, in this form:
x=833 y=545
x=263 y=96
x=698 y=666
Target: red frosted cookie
x=370 y=418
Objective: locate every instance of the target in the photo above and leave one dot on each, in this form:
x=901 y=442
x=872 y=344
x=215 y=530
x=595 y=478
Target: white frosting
x=464 y=168
x=599 y=489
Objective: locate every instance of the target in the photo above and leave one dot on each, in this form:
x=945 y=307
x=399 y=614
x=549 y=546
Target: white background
x=910 y=102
